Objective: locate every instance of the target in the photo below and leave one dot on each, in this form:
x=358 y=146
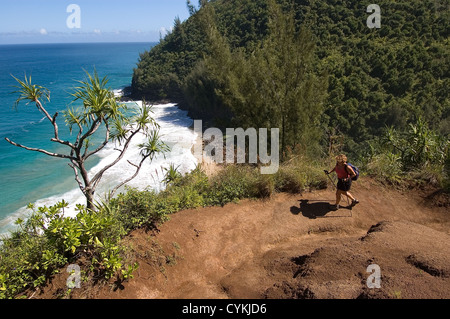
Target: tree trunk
x=89 y=194
x=87 y=190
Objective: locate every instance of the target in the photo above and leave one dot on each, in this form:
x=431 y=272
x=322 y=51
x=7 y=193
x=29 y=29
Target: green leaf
x=30 y=91
x=98 y=242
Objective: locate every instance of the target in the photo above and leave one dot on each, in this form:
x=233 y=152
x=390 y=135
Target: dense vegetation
x=377 y=78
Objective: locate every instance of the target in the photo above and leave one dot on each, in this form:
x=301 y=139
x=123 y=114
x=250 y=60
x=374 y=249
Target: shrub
x=418 y=146
x=417 y=153
x=233 y=183
x=264 y=186
x=386 y=167
x=300 y=173
x=26 y=260
x=137 y=209
x=447 y=173
x=290 y=179
x=48 y=240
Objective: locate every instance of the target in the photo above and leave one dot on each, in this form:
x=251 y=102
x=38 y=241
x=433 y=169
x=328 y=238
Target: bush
x=137 y=209
x=300 y=173
x=386 y=167
x=447 y=173
x=233 y=183
x=290 y=179
x=185 y=192
x=417 y=153
x=26 y=260
x=264 y=186
x=48 y=240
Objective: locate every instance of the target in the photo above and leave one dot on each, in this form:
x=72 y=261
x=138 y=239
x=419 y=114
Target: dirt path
x=295 y=247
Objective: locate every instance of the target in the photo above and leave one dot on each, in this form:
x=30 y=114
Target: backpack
x=356 y=170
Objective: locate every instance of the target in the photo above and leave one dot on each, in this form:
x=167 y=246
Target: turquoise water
x=27 y=176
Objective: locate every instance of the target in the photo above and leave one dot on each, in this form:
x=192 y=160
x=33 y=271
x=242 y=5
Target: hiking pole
x=332 y=182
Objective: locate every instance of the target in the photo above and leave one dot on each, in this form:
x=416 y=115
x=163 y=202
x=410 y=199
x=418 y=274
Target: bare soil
x=291 y=246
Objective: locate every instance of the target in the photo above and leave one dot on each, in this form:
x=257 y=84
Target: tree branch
x=96 y=179
x=55 y=125
x=40 y=150
x=80 y=132
x=43 y=110
x=85 y=157
x=132 y=164
x=138 y=169
x=56 y=140
x=74 y=166
x=94 y=127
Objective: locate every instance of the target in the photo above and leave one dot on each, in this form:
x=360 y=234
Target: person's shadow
x=313 y=210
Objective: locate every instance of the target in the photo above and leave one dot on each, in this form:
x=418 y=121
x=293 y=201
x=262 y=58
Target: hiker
x=345 y=173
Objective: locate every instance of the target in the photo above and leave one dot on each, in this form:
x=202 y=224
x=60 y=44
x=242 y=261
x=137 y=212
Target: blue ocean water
x=28 y=176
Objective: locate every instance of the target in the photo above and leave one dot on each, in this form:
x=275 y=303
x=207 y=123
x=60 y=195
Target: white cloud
x=163 y=31
x=97 y=31
x=43 y=31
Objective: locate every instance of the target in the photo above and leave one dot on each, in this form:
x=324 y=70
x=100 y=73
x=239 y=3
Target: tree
x=100 y=112
x=276 y=85
x=192 y=9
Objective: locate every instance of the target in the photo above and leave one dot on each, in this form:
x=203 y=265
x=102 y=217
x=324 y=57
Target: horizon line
x=99 y=42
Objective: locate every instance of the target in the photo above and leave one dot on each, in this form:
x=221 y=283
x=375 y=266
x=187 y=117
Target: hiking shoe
x=334 y=207
x=355 y=202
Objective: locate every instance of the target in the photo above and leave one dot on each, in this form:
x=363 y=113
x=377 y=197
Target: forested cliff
x=317 y=61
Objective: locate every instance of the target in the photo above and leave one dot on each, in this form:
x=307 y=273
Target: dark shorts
x=344 y=186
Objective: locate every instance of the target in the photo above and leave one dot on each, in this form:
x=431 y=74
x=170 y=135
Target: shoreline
x=74 y=196
x=31 y=177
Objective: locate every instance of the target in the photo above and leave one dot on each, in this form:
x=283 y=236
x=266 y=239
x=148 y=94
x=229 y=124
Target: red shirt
x=341 y=172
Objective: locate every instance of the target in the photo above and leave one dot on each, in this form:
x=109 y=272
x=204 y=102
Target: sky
x=72 y=21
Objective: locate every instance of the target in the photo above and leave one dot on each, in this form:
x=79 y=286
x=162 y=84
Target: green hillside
x=373 y=78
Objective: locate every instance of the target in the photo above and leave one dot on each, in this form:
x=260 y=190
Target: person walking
x=345 y=173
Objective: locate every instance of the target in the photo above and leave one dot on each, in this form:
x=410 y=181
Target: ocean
x=30 y=177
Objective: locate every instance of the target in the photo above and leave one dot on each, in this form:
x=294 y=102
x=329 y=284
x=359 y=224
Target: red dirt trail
x=292 y=246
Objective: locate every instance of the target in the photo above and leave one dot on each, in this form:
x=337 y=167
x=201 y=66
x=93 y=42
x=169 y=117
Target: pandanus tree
x=100 y=113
